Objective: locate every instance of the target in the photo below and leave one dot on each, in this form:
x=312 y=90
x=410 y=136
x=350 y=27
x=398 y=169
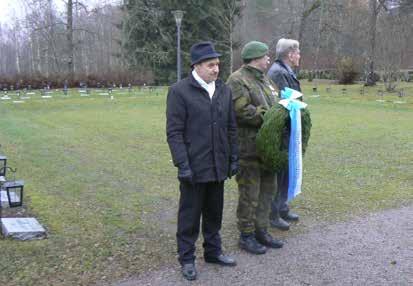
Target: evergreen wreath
x=273 y=154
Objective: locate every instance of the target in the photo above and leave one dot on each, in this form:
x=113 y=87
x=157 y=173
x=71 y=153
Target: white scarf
x=209 y=87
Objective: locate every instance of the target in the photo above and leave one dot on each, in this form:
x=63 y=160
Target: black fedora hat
x=202 y=51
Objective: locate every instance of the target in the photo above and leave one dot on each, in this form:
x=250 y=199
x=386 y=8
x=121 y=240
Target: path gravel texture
x=373 y=250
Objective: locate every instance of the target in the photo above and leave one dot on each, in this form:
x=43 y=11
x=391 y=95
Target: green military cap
x=253 y=50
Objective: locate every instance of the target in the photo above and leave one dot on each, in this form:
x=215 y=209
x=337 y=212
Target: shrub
x=347 y=71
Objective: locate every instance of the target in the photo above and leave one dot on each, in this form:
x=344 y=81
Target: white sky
x=10 y=9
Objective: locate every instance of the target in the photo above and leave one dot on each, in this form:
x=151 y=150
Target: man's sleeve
x=246 y=113
x=232 y=132
x=175 y=127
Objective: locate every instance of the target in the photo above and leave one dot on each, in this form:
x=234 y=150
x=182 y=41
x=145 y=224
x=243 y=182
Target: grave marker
x=22 y=228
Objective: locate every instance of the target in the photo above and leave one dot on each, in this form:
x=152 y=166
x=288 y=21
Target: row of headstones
x=380 y=92
x=11 y=197
x=83 y=90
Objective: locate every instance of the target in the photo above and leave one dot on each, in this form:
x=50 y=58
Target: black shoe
x=251 y=245
x=280 y=223
x=221 y=259
x=266 y=239
x=290 y=216
x=189 y=271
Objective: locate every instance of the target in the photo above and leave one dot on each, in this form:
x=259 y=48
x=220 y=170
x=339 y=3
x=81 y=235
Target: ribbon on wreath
x=289 y=99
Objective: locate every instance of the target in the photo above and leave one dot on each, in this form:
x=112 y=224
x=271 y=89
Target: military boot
x=263 y=237
x=279 y=223
x=248 y=243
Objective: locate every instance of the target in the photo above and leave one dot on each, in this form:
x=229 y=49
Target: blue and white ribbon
x=295 y=157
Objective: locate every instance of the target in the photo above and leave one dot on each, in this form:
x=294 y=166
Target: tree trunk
x=319 y=40
x=69 y=37
x=372 y=40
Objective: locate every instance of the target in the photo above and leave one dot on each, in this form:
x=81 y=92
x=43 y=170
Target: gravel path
x=372 y=250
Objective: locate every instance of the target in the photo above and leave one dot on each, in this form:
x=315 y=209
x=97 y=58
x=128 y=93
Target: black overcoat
x=201 y=131
x=282 y=77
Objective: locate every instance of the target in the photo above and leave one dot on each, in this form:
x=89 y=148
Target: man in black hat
x=201 y=133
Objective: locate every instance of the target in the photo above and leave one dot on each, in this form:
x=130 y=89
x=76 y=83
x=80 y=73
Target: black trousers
x=200 y=199
x=279 y=206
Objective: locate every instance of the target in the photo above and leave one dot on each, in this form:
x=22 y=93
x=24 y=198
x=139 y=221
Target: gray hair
x=285 y=46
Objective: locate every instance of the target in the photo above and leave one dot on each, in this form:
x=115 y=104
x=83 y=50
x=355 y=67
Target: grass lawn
x=99 y=177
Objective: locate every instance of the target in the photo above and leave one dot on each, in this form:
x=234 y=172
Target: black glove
x=233 y=169
x=185 y=174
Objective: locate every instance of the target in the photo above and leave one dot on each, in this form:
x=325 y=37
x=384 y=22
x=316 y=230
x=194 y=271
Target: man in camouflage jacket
x=253 y=94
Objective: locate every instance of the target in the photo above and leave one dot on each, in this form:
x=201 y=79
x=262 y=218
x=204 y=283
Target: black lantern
x=13 y=189
x=3 y=164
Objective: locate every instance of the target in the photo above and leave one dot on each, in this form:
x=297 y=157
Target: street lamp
x=178 y=14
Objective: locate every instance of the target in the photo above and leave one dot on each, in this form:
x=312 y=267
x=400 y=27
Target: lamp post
x=178 y=14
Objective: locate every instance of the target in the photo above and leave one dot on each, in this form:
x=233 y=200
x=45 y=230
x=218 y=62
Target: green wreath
x=270 y=147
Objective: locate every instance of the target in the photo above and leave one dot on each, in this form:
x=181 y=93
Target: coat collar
x=287 y=68
x=193 y=82
x=255 y=72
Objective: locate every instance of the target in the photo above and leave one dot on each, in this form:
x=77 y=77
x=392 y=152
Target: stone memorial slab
x=18 y=101
x=46 y=96
x=31 y=93
x=5 y=98
x=22 y=228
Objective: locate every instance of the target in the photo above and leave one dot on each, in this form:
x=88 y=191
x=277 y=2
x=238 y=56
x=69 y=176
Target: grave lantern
x=3 y=164
x=14 y=190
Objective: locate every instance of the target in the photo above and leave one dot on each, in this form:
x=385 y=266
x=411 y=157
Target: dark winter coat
x=282 y=77
x=201 y=132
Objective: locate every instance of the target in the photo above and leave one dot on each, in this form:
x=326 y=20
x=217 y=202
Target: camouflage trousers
x=257 y=189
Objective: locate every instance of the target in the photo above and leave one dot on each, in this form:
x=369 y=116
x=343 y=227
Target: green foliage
x=150 y=33
x=270 y=145
x=347 y=70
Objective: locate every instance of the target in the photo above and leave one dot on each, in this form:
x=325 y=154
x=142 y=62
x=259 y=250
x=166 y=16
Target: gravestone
x=22 y=228
x=315 y=94
x=362 y=91
x=380 y=93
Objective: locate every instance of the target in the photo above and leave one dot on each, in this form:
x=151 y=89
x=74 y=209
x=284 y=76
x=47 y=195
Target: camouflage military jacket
x=253 y=93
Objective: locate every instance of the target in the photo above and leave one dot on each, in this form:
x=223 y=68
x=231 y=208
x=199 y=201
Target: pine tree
x=150 y=33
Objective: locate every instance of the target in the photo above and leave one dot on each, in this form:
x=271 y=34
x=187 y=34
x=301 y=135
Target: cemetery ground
x=99 y=177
